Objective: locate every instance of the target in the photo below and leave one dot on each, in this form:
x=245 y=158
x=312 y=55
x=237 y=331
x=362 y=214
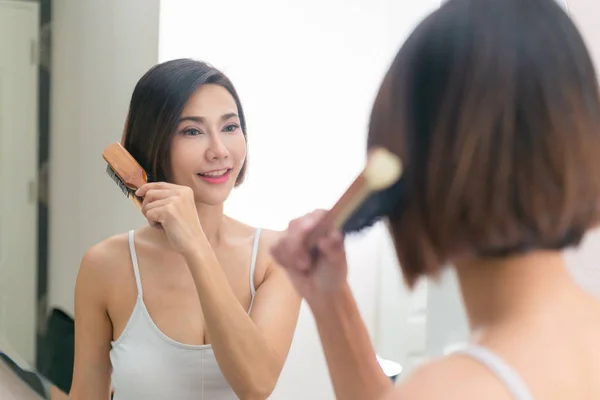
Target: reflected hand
x=173 y=207
x=313 y=273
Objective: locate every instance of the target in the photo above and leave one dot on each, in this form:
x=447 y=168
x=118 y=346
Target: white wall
x=100 y=50
x=586 y=14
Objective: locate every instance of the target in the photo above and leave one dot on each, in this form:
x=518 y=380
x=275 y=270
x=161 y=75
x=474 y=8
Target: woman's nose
x=217 y=150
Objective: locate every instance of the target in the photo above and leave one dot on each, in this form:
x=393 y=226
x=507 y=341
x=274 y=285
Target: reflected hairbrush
x=127 y=173
x=372 y=196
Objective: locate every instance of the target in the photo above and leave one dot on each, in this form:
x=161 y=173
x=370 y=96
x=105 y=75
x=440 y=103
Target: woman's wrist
x=195 y=245
x=195 y=253
x=324 y=300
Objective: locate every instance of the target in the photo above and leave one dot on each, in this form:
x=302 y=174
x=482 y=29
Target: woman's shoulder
x=266 y=238
x=105 y=260
x=269 y=236
x=107 y=251
x=454 y=376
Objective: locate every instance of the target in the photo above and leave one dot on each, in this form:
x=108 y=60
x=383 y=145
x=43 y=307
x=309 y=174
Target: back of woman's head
x=493 y=107
x=156 y=106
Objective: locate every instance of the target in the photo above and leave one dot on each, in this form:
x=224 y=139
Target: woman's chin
x=216 y=198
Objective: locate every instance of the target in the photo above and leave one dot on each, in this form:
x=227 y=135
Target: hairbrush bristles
x=375 y=208
x=113 y=175
x=127 y=191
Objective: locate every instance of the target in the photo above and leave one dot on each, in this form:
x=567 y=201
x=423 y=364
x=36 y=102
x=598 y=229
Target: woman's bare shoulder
x=452 y=377
x=247 y=234
x=103 y=261
x=269 y=237
x=243 y=230
x=105 y=253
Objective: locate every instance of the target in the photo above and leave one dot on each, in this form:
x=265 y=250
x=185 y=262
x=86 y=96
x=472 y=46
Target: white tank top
x=149 y=365
x=504 y=372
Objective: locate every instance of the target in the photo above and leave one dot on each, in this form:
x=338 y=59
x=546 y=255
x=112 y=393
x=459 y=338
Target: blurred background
x=307 y=73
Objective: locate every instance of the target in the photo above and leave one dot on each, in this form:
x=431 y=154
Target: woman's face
x=209 y=148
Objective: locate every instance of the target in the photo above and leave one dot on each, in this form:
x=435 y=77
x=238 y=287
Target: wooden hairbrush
x=372 y=195
x=127 y=173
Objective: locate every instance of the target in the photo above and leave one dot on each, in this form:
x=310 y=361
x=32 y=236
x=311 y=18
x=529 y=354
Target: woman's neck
x=212 y=220
x=504 y=290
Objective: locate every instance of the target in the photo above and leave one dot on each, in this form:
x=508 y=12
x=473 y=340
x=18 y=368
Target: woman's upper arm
x=93 y=330
x=276 y=308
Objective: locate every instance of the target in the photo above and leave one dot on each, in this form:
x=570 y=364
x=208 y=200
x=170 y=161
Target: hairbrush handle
x=383 y=169
x=343 y=208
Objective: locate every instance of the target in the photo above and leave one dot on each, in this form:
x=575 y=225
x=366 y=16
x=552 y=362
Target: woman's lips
x=217 y=176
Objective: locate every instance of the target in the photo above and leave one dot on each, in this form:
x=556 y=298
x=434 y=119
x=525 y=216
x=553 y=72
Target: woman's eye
x=231 y=128
x=192 y=132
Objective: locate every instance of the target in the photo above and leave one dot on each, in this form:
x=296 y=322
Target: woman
x=493 y=107
x=193 y=305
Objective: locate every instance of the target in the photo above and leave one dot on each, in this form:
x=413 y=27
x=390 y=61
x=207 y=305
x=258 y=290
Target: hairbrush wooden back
x=127 y=173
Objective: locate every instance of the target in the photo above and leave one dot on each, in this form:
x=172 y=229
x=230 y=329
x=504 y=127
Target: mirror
x=307 y=79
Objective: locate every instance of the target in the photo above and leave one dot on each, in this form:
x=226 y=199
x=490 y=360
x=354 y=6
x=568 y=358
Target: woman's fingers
x=147 y=206
x=141 y=192
x=331 y=246
x=292 y=251
x=156 y=194
x=285 y=250
x=296 y=246
x=154 y=216
x=152 y=210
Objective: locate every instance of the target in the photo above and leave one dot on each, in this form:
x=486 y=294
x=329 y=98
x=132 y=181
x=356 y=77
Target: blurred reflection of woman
x=193 y=305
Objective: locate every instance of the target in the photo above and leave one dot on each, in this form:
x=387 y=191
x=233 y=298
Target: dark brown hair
x=156 y=106
x=493 y=107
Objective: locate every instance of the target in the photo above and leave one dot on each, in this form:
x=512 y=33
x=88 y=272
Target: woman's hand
x=314 y=273
x=172 y=206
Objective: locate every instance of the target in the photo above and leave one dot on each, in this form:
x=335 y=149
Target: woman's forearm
x=351 y=359
x=247 y=361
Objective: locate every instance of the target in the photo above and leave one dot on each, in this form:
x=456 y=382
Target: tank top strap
x=134 y=261
x=253 y=266
x=504 y=372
